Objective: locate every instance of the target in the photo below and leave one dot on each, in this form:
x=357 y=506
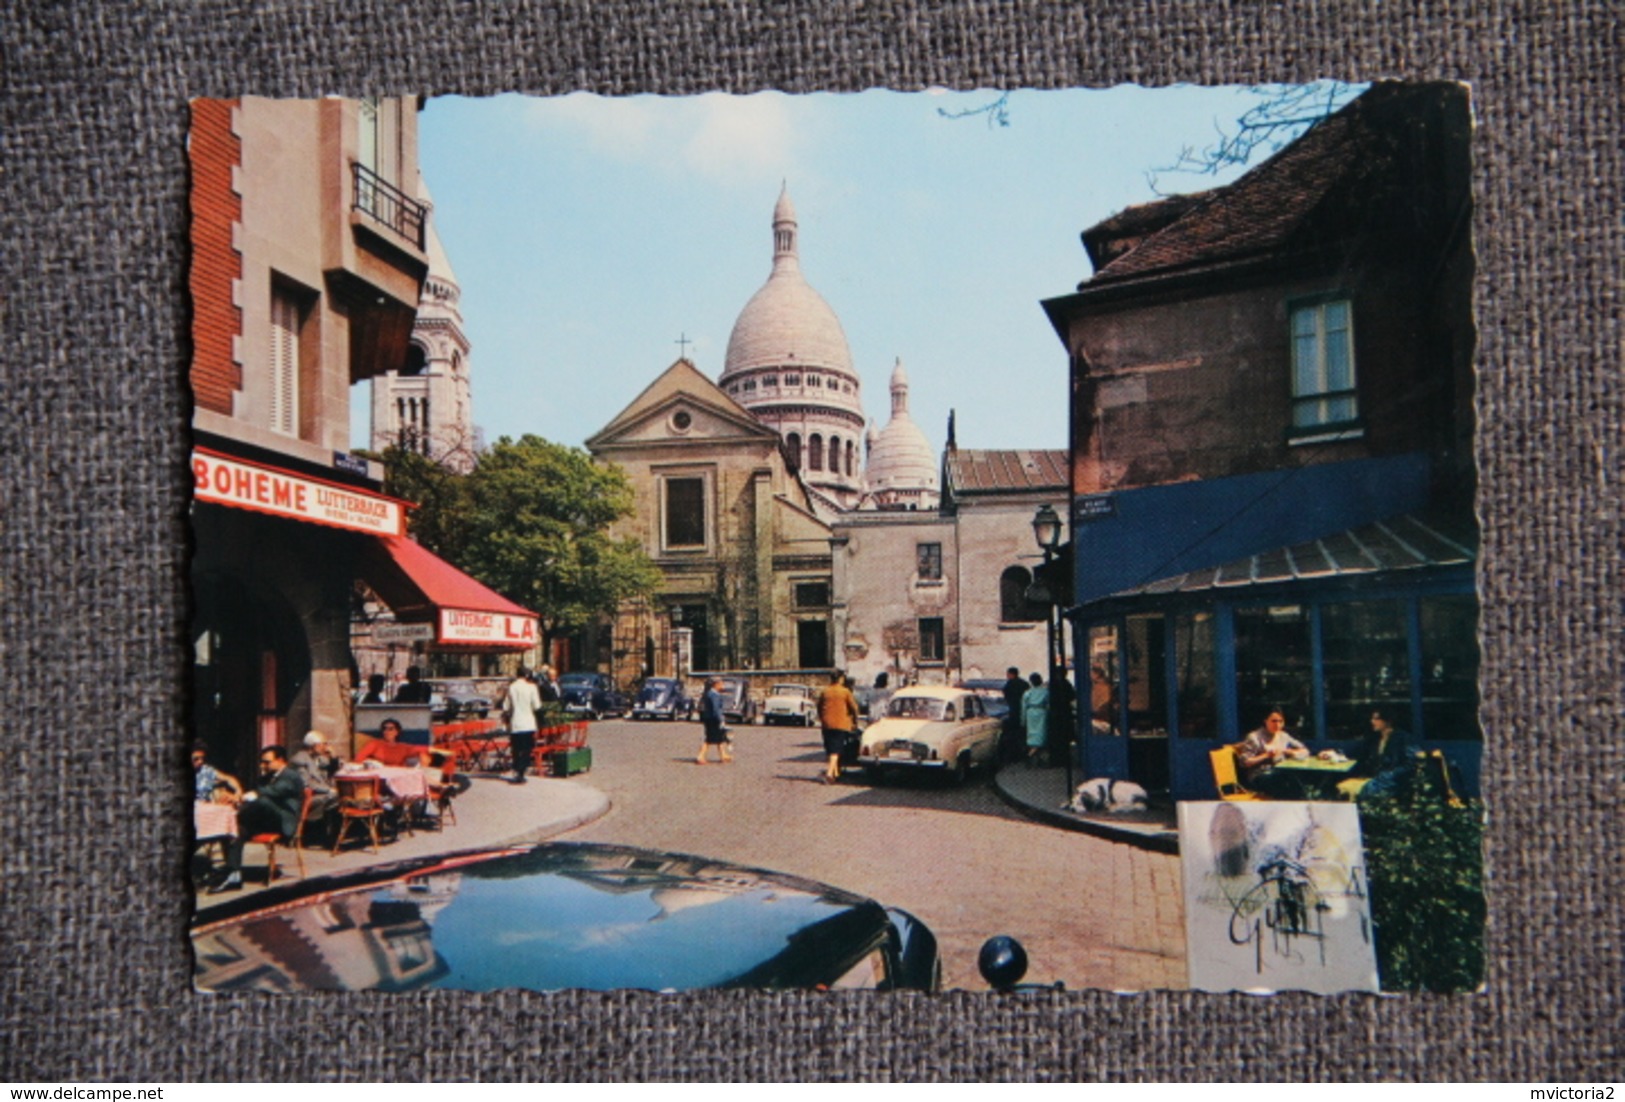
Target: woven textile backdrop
x=94 y=970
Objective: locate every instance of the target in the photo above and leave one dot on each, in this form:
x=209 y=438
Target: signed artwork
x=1276 y=897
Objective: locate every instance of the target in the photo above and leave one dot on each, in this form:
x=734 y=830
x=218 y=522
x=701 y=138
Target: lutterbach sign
x=242 y=485
x=467 y=626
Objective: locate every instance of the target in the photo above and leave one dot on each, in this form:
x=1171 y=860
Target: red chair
x=272 y=839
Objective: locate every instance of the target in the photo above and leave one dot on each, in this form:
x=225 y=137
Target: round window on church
x=682 y=420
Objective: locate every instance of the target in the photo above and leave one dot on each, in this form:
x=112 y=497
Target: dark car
x=450 y=700
x=991 y=690
x=738 y=706
x=590 y=694
x=662 y=698
x=558 y=916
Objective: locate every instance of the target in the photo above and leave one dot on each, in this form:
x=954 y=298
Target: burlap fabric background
x=93 y=958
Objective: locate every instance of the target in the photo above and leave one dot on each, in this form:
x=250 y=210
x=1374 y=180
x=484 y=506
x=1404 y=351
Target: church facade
x=792 y=534
x=736 y=534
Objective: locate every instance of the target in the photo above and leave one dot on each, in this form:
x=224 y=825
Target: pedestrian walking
x=838 y=716
x=519 y=709
x=1035 y=718
x=711 y=718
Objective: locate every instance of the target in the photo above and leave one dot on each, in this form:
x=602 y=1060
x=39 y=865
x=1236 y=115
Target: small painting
x=1276 y=897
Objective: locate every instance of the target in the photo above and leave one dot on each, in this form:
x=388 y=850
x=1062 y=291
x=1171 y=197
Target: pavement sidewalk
x=1040 y=794
x=490 y=812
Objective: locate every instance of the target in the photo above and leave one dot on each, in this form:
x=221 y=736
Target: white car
x=790 y=703
x=931 y=728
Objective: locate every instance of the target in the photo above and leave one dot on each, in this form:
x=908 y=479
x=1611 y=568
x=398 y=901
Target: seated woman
x=211 y=785
x=1261 y=750
x=1382 y=764
x=388 y=749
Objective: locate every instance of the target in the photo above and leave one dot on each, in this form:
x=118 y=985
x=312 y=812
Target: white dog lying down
x=1108 y=795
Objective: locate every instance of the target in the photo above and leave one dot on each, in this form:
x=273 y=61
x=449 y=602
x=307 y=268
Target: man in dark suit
x=273 y=807
x=1012 y=737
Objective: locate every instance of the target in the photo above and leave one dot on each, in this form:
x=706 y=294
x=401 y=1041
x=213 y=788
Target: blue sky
x=589 y=233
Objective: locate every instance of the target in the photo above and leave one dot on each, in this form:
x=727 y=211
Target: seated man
x=1383 y=763
x=273 y=807
x=388 y=749
x=316 y=764
x=1261 y=750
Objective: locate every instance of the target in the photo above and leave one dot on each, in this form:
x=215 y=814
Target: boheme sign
x=243 y=485
x=459 y=625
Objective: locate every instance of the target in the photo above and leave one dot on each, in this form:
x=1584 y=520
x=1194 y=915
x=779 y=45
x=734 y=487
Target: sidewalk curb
x=1065 y=820
x=597 y=810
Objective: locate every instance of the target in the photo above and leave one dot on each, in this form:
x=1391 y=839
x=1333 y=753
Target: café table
x=405 y=782
x=213 y=822
x=1318 y=776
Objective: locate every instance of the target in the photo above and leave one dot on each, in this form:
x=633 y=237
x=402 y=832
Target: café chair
x=360 y=801
x=272 y=839
x=1224 y=775
x=443 y=790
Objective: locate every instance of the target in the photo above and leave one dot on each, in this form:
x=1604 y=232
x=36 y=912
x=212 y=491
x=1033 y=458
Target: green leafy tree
x=537 y=532
x=443 y=497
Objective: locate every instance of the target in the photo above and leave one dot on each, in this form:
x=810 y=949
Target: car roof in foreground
x=548 y=917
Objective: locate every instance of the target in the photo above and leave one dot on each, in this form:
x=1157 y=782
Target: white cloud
x=729 y=139
x=736 y=137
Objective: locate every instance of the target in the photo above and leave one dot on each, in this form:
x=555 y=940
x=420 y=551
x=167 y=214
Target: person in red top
x=388 y=749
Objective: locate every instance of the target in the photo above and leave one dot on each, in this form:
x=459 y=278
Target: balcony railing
x=388 y=205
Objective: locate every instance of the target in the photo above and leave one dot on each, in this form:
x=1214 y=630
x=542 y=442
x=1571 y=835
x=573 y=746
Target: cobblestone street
x=1090 y=912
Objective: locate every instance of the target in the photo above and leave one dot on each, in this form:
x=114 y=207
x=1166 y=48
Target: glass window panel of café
x=1365 y=661
x=1274 y=667
x=1103 y=679
x=1196 y=692
x=1449 y=631
x=1147 y=667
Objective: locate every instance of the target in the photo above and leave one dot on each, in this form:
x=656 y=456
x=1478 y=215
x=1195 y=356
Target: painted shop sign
x=458 y=625
x=243 y=485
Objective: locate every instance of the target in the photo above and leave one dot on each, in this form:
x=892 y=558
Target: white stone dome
x=787 y=326
x=900 y=457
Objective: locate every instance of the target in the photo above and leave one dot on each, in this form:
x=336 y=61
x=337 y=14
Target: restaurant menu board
x=1276 y=897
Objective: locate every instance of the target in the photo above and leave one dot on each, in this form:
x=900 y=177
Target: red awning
x=421 y=587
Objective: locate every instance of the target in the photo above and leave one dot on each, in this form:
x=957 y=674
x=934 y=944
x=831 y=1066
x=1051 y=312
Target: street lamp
x=1047 y=531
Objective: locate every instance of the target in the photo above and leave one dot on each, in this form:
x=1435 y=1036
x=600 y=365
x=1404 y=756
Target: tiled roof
x=1399 y=543
x=974 y=471
x=1255 y=214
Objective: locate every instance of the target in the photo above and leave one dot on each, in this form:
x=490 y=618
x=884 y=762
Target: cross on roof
x=683 y=342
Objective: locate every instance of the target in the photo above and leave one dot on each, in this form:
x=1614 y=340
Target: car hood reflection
x=549 y=918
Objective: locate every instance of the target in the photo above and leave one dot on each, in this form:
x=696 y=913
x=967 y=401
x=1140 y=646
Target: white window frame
x=1313 y=396
x=283 y=405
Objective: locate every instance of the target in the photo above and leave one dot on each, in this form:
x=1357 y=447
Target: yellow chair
x=1224 y=775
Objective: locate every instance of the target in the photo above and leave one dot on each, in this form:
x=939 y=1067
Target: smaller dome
x=900 y=457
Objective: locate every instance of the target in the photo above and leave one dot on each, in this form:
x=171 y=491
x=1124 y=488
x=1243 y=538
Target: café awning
x=421 y=587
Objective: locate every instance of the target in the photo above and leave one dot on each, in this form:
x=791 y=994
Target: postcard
x=901 y=541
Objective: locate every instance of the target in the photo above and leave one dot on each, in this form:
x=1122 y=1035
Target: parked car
x=450 y=700
x=792 y=704
x=558 y=916
x=662 y=698
x=590 y=694
x=991 y=690
x=931 y=728
x=738 y=706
